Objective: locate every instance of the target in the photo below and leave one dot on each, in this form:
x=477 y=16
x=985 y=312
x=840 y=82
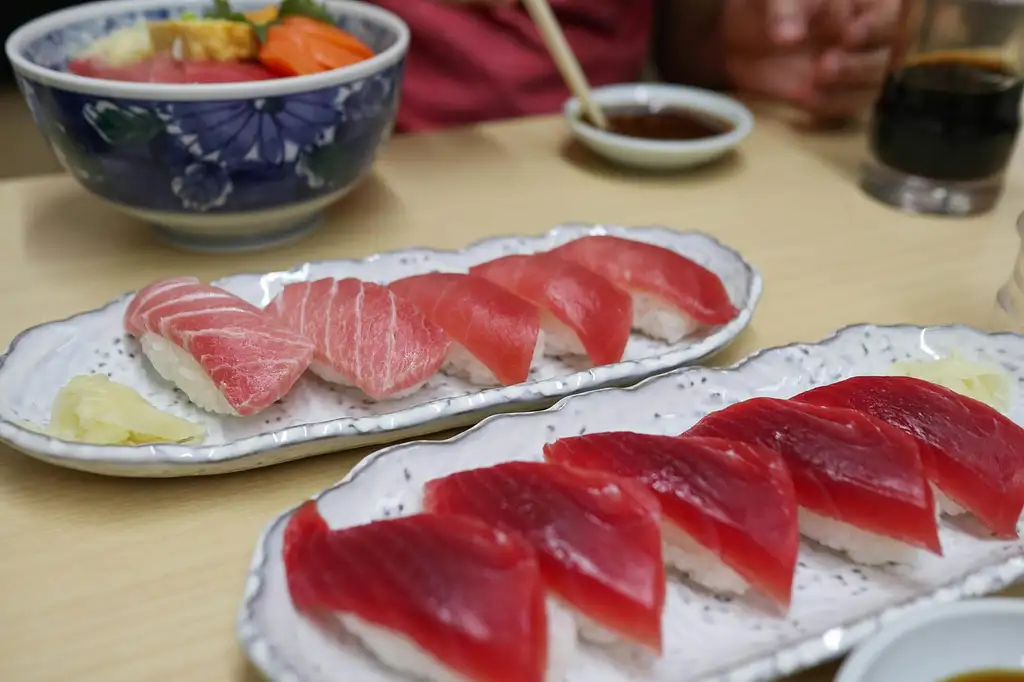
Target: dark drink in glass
x=946 y=123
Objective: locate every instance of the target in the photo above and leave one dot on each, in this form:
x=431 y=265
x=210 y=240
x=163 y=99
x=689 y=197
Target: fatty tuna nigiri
x=495 y=335
x=972 y=453
x=442 y=598
x=860 y=483
x=225 y=354
x=364 y=335
x=597 y=539
x=729 y=512
x=672 y=295
x=582 y=312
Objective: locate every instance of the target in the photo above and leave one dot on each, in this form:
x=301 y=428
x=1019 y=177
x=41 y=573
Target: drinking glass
x=946 y=122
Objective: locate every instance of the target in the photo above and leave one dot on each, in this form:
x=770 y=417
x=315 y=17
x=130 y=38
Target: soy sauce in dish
x=666 y=124
x=992 y=675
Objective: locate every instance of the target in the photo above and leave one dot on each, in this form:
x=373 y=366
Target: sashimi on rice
x=496 y=336
x=860 y=483
x=364 y=335
x=582 y=312
x=672 y=295
x=225 y=354
x=596 y=535
x=448 y=599
x=729 y=510
x=973 y=454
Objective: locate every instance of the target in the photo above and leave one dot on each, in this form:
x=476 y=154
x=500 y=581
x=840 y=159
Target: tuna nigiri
x=860 y=483
x=972 y=453
x=225 y=354
x=496 y=336
x=729 y=510
x=582 y=312
x=597 y=539
x=443 y=598
x=364 y=335
x=672 y=295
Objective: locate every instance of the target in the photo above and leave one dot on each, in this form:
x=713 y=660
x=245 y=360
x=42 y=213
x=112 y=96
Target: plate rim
x=220 y=456
x=787 y=660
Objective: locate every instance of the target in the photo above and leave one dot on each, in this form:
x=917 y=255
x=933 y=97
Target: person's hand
x=827 y=57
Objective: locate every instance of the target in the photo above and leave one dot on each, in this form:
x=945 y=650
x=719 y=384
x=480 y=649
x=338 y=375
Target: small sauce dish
x=979 y=640
x=661 y=127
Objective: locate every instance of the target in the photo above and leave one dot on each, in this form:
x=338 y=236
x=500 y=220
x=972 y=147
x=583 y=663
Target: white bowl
x=941 y=642
x=661 y=154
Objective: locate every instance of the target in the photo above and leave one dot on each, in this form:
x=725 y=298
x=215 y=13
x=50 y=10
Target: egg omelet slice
x=205 y=39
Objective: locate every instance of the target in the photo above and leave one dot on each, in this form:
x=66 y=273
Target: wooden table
x=107 y=580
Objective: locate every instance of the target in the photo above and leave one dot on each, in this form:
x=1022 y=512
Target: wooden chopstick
x=565 y=59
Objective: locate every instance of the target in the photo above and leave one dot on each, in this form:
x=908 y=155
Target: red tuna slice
x=656 y=272
x=365 y=335
x=846 y=466
x=466 y=595
x=166 y=69
x=597 y=537
x=734 y=500
x=497 y=328
x=590 y=314
x=251 y=359
x=972 y=453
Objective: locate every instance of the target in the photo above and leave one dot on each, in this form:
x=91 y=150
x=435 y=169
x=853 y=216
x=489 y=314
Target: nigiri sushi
x=973 y=454
x=448 y=599
x=495 y=336
x=729 y=511
x=597 y=539
x=364 y=335
x=582 y=313
x=860 y=483
x=224 y=353
x=672 y=295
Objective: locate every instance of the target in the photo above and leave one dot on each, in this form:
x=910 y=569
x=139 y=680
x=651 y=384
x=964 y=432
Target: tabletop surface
x=131 y=580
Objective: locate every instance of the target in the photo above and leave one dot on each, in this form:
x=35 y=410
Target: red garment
x=469 y=64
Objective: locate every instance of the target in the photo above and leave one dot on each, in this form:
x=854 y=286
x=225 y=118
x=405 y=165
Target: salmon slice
x=858 y=480
x=729 y=509
x=597 y=538
x=365 y=336
x=438 y=597
x=973 y=454
x=585 y=314
x=224 y=353
x=496 y=335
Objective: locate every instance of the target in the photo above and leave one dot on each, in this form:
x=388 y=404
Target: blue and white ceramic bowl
x=212 y=166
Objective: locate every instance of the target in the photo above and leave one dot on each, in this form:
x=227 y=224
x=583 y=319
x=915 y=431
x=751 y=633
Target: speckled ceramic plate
x=835 y=605
x=315 y=417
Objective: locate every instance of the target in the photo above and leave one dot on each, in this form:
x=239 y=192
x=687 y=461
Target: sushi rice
x=660 y=320
x=405 y=656
x=177 y=366
x=861 y=546
x=703 y=566
x=559 y=339
x=462 y=364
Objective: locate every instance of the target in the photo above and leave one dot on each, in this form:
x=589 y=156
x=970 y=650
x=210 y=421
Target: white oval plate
x=316 y=418
x=835 y=604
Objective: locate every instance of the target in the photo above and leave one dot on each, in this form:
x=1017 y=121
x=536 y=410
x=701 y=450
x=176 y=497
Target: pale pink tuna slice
x=251 y=359
x=365 y=335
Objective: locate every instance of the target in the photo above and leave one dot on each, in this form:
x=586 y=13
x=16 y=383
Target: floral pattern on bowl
x=180 y=153
x=212 y=155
